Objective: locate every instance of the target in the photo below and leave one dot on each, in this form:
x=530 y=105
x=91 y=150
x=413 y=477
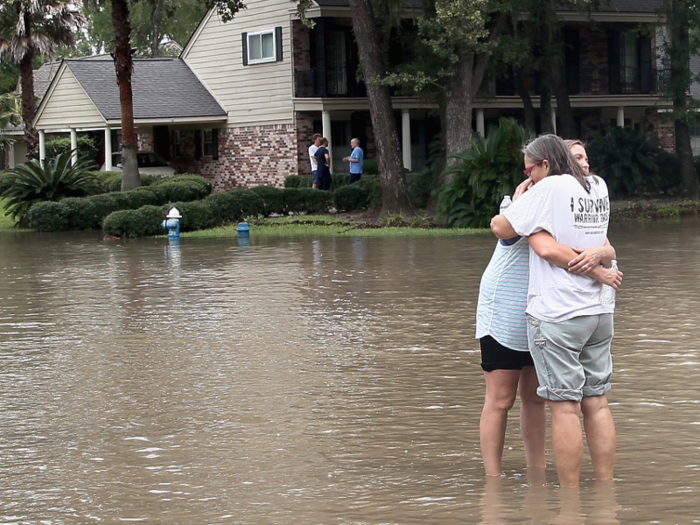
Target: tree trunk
x=392 y=176
x=156 y=22
x=124 y=67
x=28 y=101
x=564 y=111
x=680 y=82
x=546 y=124
x=459 y=109
x=524 y=94
x=689 y=177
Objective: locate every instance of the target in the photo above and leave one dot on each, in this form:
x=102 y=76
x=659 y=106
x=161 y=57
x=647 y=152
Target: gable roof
x=163 y=88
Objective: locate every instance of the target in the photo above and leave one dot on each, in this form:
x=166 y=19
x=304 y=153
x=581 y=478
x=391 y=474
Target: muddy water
x=314 y=381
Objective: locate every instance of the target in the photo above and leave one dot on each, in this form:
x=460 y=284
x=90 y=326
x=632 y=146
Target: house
x=242 y=101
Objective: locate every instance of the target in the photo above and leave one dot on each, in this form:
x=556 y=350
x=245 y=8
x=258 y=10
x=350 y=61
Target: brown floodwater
x=314 y=381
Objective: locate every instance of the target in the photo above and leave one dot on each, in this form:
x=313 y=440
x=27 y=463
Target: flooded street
x=315 y=381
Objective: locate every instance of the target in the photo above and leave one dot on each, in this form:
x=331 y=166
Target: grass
x=326 y=225
x=6 y=222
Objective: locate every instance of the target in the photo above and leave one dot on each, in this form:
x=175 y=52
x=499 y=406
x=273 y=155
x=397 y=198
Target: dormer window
x=260 y=47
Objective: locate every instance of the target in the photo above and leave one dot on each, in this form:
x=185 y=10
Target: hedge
x=89 y=212
x=351 y=197
x=220 y=209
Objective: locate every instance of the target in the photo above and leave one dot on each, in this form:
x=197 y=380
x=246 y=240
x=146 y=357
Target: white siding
x=252 y=95
x=69 y=106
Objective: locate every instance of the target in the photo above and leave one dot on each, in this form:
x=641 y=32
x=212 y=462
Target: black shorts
x=495 y=356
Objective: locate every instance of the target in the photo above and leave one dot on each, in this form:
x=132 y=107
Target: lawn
x=330 y=225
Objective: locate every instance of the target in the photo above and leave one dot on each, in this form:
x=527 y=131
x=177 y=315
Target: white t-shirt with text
x=560 y=205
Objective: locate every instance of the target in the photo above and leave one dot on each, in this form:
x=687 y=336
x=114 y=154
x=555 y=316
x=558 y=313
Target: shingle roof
x=163 y=88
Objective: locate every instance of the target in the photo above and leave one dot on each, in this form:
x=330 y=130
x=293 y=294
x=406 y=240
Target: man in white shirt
x=316 y=142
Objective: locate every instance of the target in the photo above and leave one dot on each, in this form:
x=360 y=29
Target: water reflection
x=313 y=381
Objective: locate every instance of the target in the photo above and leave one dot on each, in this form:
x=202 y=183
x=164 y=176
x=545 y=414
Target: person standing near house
x=323 y=162
x=316 y=141
x=356 y=160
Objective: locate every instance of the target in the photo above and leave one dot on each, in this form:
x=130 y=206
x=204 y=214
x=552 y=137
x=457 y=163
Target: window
x=208 y=143
x=629 y=62
x=262 y=46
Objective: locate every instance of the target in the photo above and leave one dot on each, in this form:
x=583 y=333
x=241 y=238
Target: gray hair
x=554 y=150
x=356 y=141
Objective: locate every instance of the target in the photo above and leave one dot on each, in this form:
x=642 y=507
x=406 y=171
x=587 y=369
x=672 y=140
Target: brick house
x=276 y=82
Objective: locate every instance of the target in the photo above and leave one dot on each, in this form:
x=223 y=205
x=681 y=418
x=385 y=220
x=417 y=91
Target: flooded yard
x=314 y=381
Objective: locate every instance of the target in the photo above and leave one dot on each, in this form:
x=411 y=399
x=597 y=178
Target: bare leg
x=600 y=435
x=533 y=418
x=501 y=388
x=567 y=441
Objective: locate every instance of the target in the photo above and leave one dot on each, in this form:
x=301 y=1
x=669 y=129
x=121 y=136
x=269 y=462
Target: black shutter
x=161 y=141
x=278 y=43
x=614 y=62
x=645 y=76
x=215 y=144
x=197 y=144
x=244 y=46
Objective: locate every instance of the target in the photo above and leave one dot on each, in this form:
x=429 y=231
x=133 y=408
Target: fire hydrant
x=172 y=224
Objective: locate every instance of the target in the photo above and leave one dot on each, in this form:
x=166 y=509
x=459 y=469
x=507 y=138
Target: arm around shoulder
x=501 y=228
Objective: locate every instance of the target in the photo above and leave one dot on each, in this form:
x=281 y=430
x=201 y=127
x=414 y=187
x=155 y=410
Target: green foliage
x=370 y=167
x=87 y=150
x=146 y=221
x=30 y=183
x=373 y=186
x=316 y=201
x=490 y=169
x=90 y=212
x=419 y=188
x=351 y=197
x=632 y=165
x=273 y=199
x=297 y=181
x=180 y=19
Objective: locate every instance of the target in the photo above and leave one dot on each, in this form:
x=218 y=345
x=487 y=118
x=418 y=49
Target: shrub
x=273 y=199
x=373 y=185
x=87 y=150
x=49 y=216
x=632 y=165
x=31 y=183
x=316 y=201
x=482 y=175
x=91 y=211
x=146 y=221
x=370 y=167
x=196 y=215
x=293 y=200
x=351 y=197
x=419 y=188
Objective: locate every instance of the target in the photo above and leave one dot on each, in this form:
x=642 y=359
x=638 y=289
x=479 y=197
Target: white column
x=11 y=155
x=73 y=146
x=108 y=149
x=621 y=117
x=42 y=147
x=326 y=122
x=480 y=126
x=554 y=120
x=406 y=138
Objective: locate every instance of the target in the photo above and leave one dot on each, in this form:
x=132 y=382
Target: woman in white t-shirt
x=501 y=328
x=569 y=328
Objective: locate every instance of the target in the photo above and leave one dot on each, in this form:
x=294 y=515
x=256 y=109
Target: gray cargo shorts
x=572 y=358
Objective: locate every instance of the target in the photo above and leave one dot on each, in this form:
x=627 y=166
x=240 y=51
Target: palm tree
x=31 y=28
x=10 y=115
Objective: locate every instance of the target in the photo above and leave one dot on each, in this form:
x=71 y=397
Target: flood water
x=314 y=381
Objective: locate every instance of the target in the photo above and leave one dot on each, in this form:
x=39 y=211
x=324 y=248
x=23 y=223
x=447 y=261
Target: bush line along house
x=242 y=101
